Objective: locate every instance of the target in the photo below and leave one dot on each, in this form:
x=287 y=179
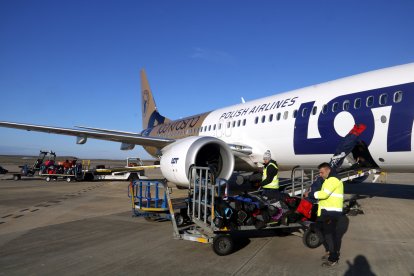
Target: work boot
x=325 y=256
x=329 y=263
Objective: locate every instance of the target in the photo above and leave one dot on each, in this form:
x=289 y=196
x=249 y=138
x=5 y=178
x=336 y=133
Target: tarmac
x=78 y=228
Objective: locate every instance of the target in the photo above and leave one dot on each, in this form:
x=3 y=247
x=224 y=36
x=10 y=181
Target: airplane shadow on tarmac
x=399 y=191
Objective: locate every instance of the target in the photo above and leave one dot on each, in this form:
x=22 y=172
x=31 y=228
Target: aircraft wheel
x=312 y=238
x=223 y=244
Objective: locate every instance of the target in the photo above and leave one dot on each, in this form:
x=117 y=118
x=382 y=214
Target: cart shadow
x=243 y=238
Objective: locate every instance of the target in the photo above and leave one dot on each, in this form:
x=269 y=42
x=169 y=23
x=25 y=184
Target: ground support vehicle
x=75 y=173
x=29 y=171
x=207 y=220
x=133 y=170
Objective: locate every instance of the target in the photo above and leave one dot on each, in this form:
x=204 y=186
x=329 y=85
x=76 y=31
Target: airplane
x=300 y=127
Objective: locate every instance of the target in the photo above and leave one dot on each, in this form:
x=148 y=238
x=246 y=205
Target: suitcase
x=305 y=208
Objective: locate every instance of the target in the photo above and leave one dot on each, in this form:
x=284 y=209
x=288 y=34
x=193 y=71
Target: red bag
x=305 y=208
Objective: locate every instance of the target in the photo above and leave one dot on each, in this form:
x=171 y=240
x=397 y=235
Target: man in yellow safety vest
x=270 y=178
x=330 y=199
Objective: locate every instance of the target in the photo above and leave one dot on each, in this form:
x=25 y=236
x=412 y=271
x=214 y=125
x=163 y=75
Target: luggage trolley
x=204 y=200
x=151 y=199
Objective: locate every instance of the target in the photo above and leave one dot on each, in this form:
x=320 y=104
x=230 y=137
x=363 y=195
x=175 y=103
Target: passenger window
x=314 y=110
x=295 y=113
x=201 y=129
x=234 y=123
x=263 y=118
x=285 y=115
x=370 y=101
x=214 y=127
x=278 y=116
x=398 y=96
x=256 y=120
x=244 y=122
x=383 y=99
x=238 y=123
x=335 y=107
x=270 y=117
x=304 y=112
x=228 y=124
x=205 y=128
x=219 y=126
x=209 y=127
x=345 y=105
x=357 y=103
x=324 y=108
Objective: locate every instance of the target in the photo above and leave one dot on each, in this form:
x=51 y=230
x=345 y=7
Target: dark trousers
x=328 y=227
x=271 y=194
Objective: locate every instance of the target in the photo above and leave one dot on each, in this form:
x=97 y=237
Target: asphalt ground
x=78 y=228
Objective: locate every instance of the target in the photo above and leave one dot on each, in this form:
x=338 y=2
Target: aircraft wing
x=127 y=138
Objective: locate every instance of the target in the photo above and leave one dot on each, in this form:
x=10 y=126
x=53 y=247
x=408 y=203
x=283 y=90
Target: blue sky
x=67 y=63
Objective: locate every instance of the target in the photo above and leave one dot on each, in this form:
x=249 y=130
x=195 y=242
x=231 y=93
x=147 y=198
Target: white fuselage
x=269 y=123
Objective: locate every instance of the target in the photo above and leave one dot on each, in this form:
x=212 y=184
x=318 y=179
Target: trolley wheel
x=69 y=179
x=16 y=177
x=223 y=244
x=179 y=219
x=312 y=238
x=48 y=178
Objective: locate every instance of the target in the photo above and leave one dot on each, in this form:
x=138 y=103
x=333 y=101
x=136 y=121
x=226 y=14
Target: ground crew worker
x=331 y=198
x=270 y=178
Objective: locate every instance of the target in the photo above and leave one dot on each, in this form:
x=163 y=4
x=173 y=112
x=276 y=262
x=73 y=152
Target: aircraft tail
x=150 y=115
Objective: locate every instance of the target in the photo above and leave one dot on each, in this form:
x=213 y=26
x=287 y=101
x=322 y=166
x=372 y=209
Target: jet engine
x=178 y=157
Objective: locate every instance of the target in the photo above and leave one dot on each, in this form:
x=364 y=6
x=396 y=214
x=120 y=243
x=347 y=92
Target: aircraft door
x=227 y=127
x=220 y=128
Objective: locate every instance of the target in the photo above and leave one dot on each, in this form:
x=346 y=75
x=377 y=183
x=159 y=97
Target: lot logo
x=400 y=122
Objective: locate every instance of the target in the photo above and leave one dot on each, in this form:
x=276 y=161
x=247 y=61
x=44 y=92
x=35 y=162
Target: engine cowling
x=178 y=157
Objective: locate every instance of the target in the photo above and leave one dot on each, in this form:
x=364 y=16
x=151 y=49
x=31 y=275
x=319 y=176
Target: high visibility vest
x=275 y=181
x=331 y=196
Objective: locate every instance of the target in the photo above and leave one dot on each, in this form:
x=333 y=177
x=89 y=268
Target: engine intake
x=178 y=157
